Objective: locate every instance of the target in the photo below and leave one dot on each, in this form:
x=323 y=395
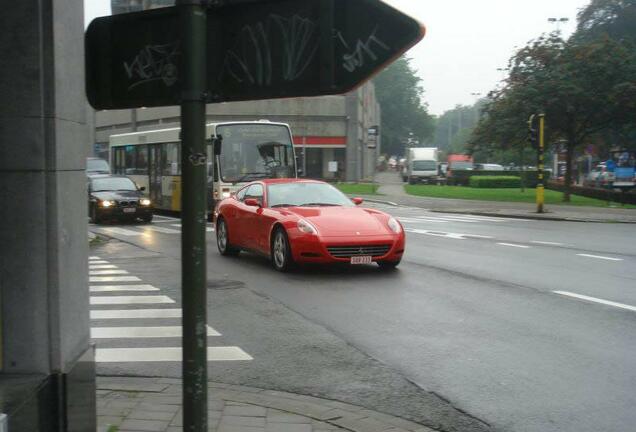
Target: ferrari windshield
x=306 y=194
x=254 y=151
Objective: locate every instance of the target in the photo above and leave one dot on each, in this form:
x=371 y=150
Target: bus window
x=171 y=161
x=141 y=166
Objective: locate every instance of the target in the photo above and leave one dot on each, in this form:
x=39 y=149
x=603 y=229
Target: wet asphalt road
x=508 y=324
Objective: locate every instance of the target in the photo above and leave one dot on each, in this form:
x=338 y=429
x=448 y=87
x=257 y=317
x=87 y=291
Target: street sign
x=259 y=50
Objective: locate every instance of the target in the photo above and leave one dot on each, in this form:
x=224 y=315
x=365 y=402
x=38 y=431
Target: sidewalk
x=127 y=404
x=392 y=190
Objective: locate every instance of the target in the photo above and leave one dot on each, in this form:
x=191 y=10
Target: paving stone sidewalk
x=154 y=405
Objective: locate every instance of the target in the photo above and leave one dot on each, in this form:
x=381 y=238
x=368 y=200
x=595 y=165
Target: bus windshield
x=253 y=151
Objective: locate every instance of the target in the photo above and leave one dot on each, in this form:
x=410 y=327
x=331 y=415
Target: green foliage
x=454 y=127
x=399 y=93
x=501 y=195
x=491 y=182
x=358 y=188
x=615 y=19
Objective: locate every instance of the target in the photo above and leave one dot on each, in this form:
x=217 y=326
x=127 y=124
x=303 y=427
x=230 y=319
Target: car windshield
x=424 y=165
x=306 y=194
x=461 y=165
x=113 y=184
x=99 y=165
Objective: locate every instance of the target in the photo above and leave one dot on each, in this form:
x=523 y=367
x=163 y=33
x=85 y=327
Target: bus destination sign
x=259 y=50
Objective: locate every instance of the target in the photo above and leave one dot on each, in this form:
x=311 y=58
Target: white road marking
x=98 y=262
x=122 y=231
x=113 y=288
x=600 y=257
x=130 y=300
x=455 y=236
x=547 y=243
x=141 y=332
x=514 y=245
x=419 y=220
x=163 y=230
x=166 y=218
x=207 y=228
x=107 y=272
x=114 y=279
x=126 y=355
x=94 y=258
x=101 y=266
x=596 y=300
x=135 y=314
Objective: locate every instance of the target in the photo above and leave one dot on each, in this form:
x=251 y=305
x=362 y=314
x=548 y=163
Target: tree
x=583 y=88
x=615 y=19
x=400 y=93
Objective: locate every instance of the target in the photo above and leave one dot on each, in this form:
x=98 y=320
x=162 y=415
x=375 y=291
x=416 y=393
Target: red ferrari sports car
x=305 y=221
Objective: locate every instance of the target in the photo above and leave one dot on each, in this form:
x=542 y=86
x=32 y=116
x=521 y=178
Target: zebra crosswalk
x=115 y=303
x=143 y=230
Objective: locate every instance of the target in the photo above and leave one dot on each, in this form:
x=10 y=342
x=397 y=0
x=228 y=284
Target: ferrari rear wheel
x=281 y=252
x=388 y=265
x=223 y=239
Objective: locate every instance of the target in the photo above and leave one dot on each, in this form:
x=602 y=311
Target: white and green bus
x=238 y=152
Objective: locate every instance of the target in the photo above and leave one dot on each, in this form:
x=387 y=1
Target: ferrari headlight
x=394 y=225
x=307 y=227
x=226 y=195
x=107 y=203
x=145 y=202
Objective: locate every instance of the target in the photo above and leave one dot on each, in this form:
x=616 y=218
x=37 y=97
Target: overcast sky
x=466 y=41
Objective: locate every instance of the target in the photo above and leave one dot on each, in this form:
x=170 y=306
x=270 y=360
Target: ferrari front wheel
x=281 y=251
x=223 y=239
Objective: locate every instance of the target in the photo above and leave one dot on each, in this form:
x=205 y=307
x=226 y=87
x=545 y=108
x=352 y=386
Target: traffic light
x=533 y=131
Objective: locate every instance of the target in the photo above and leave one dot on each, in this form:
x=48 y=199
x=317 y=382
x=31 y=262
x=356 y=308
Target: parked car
x=97 y=166
x=305 y=221
x=117 y=197
x=489 y=167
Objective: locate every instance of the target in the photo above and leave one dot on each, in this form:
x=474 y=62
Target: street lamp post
x=558 y=22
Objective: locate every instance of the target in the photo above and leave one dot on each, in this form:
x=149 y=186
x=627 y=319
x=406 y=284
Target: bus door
x=154 y=174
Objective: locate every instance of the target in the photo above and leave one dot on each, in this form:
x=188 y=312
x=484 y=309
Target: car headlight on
x=226 y=195
x=307 y=227
x=145 y=202
x=394 y=225
x=107 y=203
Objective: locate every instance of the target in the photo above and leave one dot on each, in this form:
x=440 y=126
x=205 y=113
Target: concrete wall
x=43 y=224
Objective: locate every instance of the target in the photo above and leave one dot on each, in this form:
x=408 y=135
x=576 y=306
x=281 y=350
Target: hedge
x=462 y=177
x=492 y=182
x=597 y=193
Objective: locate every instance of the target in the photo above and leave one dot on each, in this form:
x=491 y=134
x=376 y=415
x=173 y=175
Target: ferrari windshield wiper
x=284 y=205
x=319 y=205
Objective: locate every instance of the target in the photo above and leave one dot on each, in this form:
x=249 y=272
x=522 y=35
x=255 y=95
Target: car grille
x=131 y=203
x=351 y=251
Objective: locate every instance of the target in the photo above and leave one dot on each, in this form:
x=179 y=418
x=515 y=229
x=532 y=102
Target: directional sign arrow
x=260 y=50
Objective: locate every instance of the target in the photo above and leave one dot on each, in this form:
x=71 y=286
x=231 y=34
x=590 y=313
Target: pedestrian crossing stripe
x=107 y=272
x=135 y=314
x=101 y=266
x=115 y=288
x=114 y=279
x=116 y=300
x=142 y=332
x=126 y=355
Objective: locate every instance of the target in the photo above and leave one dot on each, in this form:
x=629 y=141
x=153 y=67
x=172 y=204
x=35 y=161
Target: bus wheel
x=223 y=239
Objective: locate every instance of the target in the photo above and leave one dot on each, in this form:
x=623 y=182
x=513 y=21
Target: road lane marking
x=127 y=355
x=98 y=262
x=163 y=230
x=514 y=245
x=135 y=314
x=142 y=332
x=455 y=236
x=101 y=266
x=419 y=220
x=107 y=272
x=547 y=243
x=207 y=228
x=166 y=218
x=600 y=257
x=131 y=300
x=122 y=231
x=114 y=279
x=94 y=258
x=114 y=288
x=596 y=300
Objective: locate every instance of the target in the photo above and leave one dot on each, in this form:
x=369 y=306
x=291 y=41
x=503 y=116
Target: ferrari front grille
x=351 y=251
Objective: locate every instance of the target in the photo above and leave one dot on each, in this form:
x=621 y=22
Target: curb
x=337 y=414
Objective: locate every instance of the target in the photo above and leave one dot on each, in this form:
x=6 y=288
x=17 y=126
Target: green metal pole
x=193 y=212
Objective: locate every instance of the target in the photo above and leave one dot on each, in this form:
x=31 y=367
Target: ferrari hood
x=337 y=221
